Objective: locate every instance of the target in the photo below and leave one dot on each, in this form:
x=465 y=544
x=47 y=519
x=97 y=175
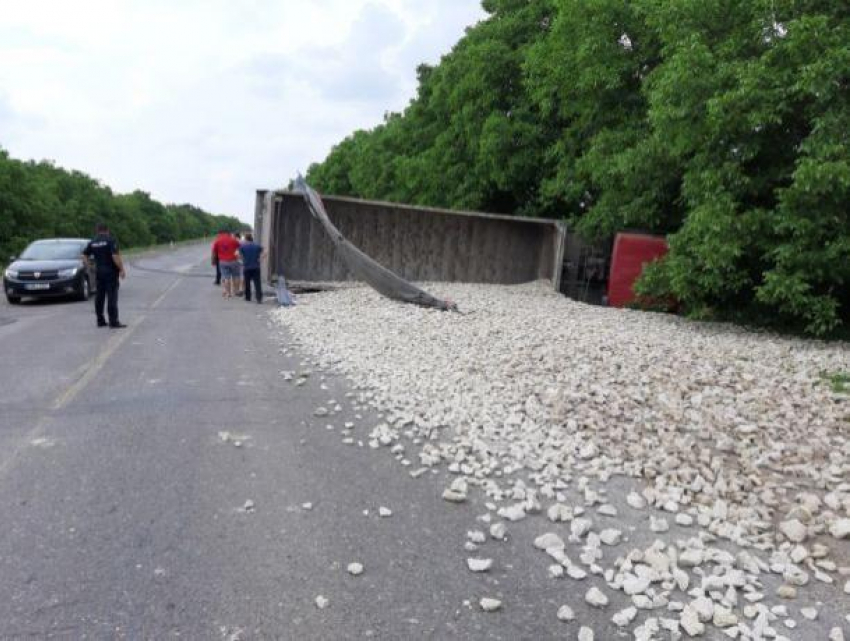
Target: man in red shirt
x=224 y=248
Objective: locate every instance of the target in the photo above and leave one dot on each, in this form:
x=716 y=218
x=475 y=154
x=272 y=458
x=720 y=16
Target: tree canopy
x=41 y=200
x=722 y=124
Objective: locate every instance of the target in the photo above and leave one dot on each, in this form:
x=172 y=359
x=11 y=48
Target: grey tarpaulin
x=368 y=270
x=284 y=296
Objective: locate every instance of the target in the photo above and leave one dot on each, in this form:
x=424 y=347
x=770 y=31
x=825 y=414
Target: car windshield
x=53 y=251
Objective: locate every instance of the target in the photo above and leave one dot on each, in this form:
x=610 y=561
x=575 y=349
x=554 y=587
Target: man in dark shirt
x=251 y=253
x=109 y=267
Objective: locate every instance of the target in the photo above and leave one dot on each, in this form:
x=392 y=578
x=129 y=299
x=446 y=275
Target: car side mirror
x=12 y=259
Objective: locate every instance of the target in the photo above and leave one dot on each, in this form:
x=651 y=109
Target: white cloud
x=204 y=102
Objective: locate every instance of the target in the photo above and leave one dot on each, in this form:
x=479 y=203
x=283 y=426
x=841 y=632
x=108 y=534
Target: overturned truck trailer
x=417 y=243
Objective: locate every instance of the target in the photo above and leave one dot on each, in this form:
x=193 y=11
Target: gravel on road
x=735 y=442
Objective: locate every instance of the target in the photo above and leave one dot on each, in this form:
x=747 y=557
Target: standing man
x=224 y=251
x=109 y=268
x=251 y=253
x=240 y=283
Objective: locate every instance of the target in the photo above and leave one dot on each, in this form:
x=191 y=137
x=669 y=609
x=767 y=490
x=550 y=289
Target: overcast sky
x=204 y=102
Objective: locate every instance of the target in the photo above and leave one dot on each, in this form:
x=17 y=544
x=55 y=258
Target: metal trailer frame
x=418 y=243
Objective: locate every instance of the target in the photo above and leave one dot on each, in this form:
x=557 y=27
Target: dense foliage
x=722 y=123
x=40 y=200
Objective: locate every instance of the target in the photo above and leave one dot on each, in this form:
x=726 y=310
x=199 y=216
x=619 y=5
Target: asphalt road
x=121 y=505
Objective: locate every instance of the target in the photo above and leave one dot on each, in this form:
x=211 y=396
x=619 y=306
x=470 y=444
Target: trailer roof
x=422 y=208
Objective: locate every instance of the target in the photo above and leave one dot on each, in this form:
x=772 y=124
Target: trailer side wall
x=418 y=244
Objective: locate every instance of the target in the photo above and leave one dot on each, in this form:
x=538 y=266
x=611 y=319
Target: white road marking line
x=90 y=370
x=96 y=364
x=162 y=296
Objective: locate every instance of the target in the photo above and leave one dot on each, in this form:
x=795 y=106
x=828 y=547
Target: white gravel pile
x=530 y=397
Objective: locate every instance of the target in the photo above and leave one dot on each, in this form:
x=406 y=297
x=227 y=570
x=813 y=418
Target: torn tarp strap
x=362 y=266
x=284 y=296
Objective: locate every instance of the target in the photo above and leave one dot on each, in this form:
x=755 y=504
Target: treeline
x=723 y=123
x=40 y=200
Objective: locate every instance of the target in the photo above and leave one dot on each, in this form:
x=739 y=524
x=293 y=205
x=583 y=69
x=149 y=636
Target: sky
x=206 y=102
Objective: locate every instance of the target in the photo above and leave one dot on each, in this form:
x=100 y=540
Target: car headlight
x=68 y=273
x=11 y=273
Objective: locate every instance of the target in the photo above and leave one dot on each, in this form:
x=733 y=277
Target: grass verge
x=838 y=381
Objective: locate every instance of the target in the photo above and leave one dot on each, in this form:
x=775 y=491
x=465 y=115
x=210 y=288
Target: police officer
x=104 y=251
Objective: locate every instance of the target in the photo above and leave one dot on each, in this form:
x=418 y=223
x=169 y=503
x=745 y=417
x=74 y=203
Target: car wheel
x=83 y=292
x=13 y=300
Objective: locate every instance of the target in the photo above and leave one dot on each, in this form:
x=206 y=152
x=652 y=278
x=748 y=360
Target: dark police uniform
x=101 y=248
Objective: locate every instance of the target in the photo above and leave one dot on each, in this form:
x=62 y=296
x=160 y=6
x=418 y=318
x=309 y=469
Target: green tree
x=40 y=200
x=470 y=138
x=720 y=123
x=766 y=170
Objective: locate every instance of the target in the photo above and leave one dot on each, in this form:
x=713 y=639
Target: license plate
x=32 y=286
